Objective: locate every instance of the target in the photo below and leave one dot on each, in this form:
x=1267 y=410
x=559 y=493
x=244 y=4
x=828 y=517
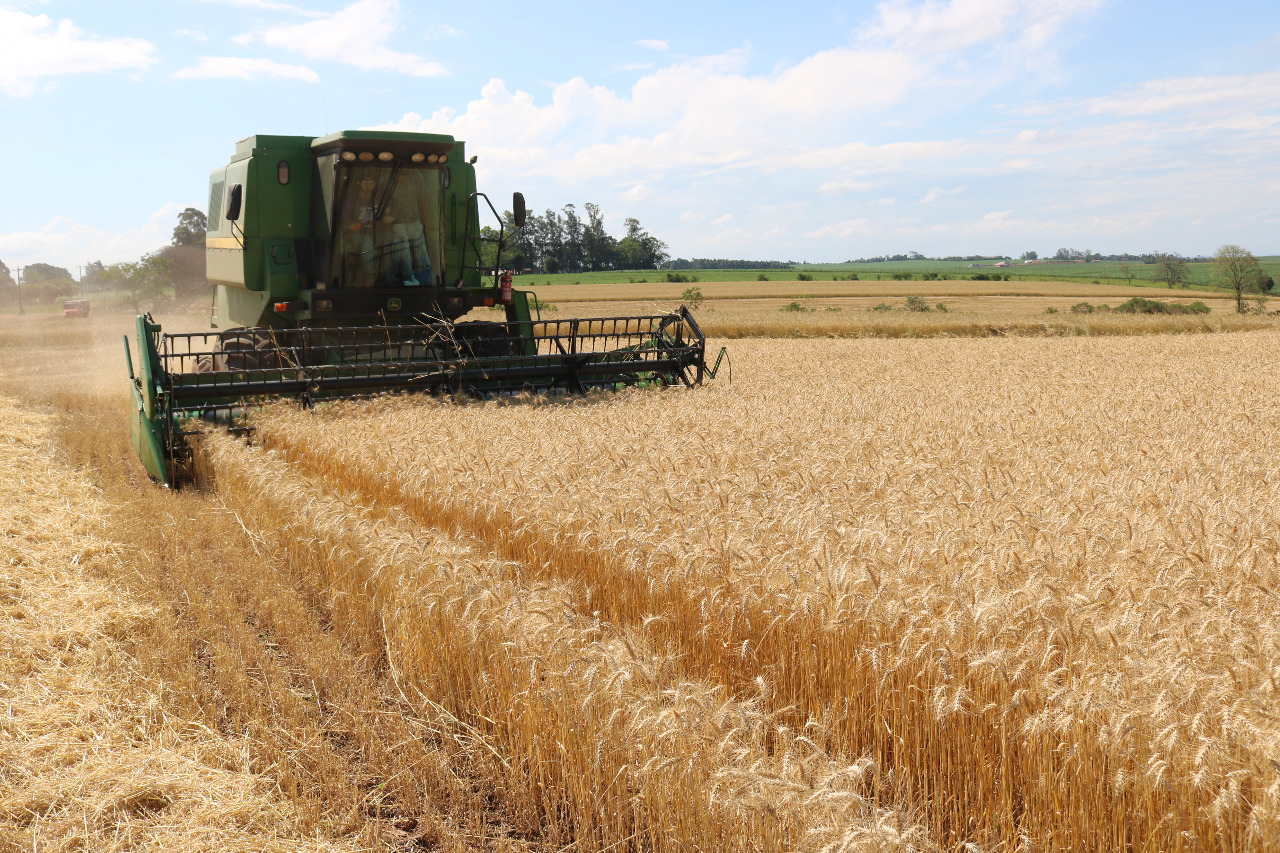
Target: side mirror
x=517 y=205
x=234 y=198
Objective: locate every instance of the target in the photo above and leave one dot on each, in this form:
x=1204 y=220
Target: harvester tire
x=486 y=339
x=245 y=349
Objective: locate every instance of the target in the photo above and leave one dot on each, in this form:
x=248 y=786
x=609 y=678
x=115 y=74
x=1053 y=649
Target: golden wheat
x=601 y=741
x=1034 y=581
x=91 y=757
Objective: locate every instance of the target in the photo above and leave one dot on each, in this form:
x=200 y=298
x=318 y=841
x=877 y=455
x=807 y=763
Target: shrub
x=1139 y=305
x=980 y=276
x=1082 y=308
x=941 y=307
x=793 y=306
x=803 y=276
x=883 y=306
x=1051 y=310
x=834 y=308
x=762 y=277
x=929 y=276
x=916 y=303
x=692 y=296
x=680 y=278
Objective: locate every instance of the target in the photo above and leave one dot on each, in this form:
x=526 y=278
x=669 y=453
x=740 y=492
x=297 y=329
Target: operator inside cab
x=388 y=228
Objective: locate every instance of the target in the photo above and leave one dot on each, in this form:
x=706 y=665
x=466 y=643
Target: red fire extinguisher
x=504 y=293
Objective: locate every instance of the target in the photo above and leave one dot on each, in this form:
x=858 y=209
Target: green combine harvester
x=341 y=268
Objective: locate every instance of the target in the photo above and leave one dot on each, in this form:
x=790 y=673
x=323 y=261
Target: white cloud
x=847 y=228
x=1214 y=94
x=720 y=220
x=34 y=47
x=235 y=67
x=269 y=5
x=639 y=191
x=653 y=44
x=355 y=35
x=845 y=186
x=935 y=193
x=194 y=35
x=66 y=243
x=708 y=112
x=440 y=31
x=948 y=27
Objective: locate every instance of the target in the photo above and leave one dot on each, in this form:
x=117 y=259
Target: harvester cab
x=342 y=266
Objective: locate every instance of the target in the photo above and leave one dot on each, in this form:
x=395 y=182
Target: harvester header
x=342 y=266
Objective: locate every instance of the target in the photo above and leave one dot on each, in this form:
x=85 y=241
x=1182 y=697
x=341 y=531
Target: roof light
x=348 y=156
x=386 y=156
x=433 y=158
x=444 y=158
x=419 y=157
x=366 y=156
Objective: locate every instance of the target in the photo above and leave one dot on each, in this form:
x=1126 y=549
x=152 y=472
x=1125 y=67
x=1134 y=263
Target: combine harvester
x=341 y=266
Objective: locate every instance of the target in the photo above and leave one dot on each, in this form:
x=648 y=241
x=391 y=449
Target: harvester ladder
x=471 y=241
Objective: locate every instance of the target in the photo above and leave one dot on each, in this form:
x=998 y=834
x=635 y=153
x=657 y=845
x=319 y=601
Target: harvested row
x=1036 y=578
x=93 y=756
x=599 y=741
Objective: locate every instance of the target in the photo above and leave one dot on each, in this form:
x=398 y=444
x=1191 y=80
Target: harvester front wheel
x=486 y=339
x=246 y=349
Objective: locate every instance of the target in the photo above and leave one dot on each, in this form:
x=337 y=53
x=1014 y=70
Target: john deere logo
x=393 y=304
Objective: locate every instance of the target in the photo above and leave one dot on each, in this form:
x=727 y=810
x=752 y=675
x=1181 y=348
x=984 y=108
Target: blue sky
x=802 y=131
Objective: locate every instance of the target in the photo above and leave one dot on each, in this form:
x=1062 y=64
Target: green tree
x=1236 y=269
x=572 y=249
x=43 y=283
x=93 y=274
x=187 y=271
x=640 y=250
x=1030 y=256
x=8 y=286
x=146 y=280
x=36 y=273
x=1171 y=269
x=190 y=229
x=599 y=250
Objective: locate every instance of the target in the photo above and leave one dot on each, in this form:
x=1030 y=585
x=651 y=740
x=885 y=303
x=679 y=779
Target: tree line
x=564 y=241
x=725 y=264
x=178 y=267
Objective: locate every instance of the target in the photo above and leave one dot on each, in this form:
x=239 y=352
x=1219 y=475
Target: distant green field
x=1104 y=272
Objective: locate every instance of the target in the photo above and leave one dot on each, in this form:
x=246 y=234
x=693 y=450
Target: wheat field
x=1033 y=583
x=867 y=594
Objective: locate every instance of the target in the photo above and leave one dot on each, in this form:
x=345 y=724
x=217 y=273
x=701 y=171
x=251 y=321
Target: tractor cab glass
x=387 y=226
